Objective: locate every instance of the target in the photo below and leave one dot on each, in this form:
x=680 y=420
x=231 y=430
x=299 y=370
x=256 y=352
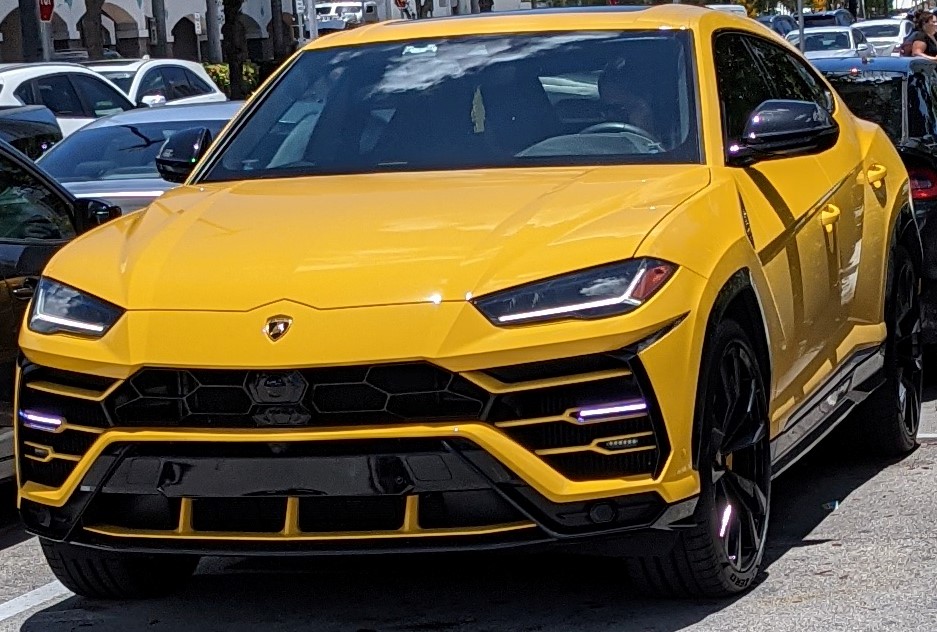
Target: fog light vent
x=621 y=444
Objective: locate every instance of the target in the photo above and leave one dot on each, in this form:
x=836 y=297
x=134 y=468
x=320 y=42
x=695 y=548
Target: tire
x=886 y=423
x=721 y=554
x=111 y=575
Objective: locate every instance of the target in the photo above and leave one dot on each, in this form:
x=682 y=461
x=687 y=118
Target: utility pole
x=29 y=23
x=159 y=19
x=213 y=24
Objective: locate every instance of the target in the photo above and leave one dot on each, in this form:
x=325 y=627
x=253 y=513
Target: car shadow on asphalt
x=461 y=593
x=11 y=529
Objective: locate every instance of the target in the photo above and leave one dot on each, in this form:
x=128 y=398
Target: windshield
x=122 y=80
x=881 y=30
x=498 y=101
x=819 y=20
x=823 y=41
x=338 y=10
x=117 y=152
x=874 y=96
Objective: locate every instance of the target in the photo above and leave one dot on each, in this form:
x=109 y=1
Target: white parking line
x=32 y=599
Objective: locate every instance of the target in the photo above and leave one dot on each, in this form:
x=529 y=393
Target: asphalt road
x=852 y=548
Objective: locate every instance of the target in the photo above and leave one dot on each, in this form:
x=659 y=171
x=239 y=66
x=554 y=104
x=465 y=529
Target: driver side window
x=30 y=210
x=739 y=82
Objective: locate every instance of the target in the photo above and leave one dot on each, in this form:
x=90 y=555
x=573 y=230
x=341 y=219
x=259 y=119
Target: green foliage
x=220 y=74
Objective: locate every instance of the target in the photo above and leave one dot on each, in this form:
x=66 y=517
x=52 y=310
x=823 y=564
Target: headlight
x=594 y=293
x=58 y=308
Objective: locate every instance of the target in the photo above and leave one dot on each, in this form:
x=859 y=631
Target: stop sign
x=46 y=8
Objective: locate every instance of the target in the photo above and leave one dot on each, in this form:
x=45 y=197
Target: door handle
x=829 y=216
x=26 y=291
x=876 y=174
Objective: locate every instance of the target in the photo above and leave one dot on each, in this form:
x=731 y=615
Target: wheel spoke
x=747 y=492
x=754 y=531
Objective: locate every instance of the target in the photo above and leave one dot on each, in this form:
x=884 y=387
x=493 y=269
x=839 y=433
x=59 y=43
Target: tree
x=91 y=28
x=281 y=49
x=234 y=47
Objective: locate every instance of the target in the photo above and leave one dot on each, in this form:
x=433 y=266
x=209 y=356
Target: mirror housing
x=181 y=152
x=781 y=128
x=90 y=212
x=862 y=47
x=152 y=100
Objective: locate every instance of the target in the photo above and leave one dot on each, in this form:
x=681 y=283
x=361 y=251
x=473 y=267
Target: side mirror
x=180 y=153
x=862 y=47
x=90 y=212
x=781 y=129
x=152 y=100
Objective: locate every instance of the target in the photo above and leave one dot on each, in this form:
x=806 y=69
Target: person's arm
x=918 y=49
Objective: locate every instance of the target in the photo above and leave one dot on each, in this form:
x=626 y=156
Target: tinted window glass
x=25 y=94
x=503 y=101
x=116 y=152
x=122 y=80
x=741 y=87
x=28 y=208
x=874 y=96
x=922 y=114
x=789 y=76
x=101 y=98
x=152 y=85
x=881 y=30
x=57 y=93
x=197 y=84
x=176 y=82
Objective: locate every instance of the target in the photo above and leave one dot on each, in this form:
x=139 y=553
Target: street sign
x=300 y=6
x=197 y=18
x=46 y=9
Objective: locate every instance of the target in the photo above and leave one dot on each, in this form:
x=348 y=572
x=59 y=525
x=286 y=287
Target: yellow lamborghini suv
x=588 y=278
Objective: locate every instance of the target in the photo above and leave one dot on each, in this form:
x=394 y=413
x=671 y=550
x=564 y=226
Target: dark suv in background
x=900 y=95
x=780 y=24
x=836 y=17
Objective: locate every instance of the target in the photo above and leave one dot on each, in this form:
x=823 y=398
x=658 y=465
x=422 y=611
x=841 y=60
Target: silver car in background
x=114 y=158
x=886 y=35
x=825 y=42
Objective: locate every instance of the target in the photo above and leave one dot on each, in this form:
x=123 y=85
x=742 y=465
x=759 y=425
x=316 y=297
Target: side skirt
x=858 y=377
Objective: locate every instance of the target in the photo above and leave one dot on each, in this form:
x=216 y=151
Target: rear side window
x=177 y=83
x=198 y=85
x=57 y=93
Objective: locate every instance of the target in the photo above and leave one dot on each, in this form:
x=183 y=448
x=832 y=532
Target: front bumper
x=485 y=445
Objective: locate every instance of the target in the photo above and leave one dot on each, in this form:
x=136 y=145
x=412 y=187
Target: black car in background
x=32 y=129
x=900 y=94
x=836 y=17
x=780 y=24
x=37 y=217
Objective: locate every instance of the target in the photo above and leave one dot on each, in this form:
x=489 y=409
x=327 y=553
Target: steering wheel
x=618 y=126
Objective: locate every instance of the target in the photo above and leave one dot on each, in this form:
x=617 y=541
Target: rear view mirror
x=180 y=153
x=152 y=100
x=91 y=212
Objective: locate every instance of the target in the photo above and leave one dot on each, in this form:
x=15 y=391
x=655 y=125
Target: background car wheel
x=721 y=555
x=886 y=423
x=110 y=575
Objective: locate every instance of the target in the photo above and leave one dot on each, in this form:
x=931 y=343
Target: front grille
x=537 y=405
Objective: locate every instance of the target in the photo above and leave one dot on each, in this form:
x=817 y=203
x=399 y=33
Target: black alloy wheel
x=887 y=422
x=721 y=553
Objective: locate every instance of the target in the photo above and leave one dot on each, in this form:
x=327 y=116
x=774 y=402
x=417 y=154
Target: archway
x=126 y=30
x=255 y=37
x=185 y=41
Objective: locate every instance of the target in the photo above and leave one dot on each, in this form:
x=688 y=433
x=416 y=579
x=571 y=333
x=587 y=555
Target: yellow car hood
x=377 y=239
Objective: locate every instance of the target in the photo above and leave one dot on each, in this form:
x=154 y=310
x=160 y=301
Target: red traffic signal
x=46 y=8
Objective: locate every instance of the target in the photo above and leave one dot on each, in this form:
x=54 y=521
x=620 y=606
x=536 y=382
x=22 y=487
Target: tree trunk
x=278 y=31
x=91 y=27
x=234 y=47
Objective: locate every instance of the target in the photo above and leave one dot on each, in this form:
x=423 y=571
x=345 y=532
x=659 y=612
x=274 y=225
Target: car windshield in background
x=819 y=20
x=115 y=152
x=823 y=41
x=122 y=80
x=874 y=96
x=474 y=102
x=881 y=30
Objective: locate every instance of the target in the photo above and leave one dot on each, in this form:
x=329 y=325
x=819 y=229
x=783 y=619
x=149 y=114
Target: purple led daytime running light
x=634 y=406
x=36 y=421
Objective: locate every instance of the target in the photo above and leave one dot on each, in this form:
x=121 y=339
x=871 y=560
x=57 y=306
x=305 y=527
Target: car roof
x=664 y=16
x=220 y=110
x=50 y=66
x=879 y=21
x=906 y=65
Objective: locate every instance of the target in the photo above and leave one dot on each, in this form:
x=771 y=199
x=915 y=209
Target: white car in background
x=160 y=81
x=825 y=42
x=75 y=94
x=885 y=34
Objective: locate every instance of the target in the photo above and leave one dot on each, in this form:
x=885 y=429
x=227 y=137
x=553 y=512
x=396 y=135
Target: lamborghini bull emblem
x=277 y=326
